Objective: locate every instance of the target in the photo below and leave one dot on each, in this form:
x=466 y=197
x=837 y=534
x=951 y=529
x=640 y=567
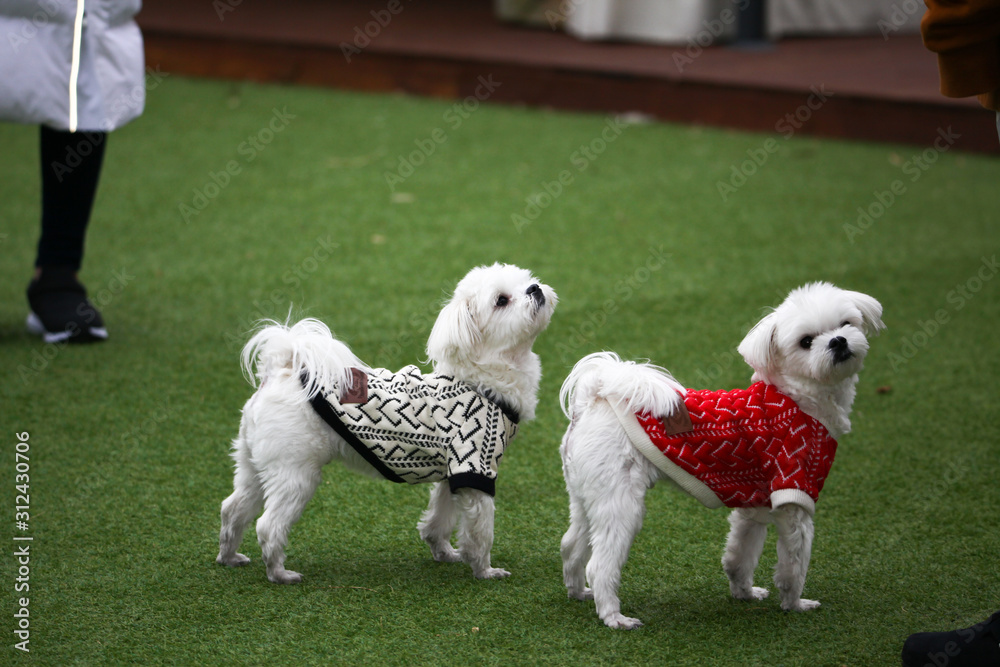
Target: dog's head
x=494 y=315
x=819 y=334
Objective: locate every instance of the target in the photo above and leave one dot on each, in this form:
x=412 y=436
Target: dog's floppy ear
x=871 y=312
x=758 y=348
x=455 y=333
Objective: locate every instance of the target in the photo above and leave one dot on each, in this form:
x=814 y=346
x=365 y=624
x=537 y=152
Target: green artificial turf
x=227 y=202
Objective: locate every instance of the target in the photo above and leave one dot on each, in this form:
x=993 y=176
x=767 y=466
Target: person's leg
x=71 y=169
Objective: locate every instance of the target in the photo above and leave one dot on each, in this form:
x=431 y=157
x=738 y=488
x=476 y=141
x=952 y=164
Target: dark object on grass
x=977 y=646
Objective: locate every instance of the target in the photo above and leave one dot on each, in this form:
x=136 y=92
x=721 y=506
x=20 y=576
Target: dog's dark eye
x=846 y=323
x=502 y=301
x=806 y=342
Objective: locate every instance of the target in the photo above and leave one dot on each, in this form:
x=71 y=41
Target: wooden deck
x=863 y=88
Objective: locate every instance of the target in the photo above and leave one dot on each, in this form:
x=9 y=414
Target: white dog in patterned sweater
x=481 y=340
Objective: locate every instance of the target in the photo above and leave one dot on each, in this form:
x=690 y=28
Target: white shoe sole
x=36 y=327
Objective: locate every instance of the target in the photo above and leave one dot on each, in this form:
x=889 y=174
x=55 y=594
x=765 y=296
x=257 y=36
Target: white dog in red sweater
x=764 y=451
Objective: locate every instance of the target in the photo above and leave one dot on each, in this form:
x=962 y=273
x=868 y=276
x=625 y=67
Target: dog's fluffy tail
x=306 y=349
x=643 y=386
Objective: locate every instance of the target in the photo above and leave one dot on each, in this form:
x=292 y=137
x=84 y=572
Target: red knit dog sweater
x=746 y=448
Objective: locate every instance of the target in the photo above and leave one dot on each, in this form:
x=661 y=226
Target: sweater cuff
x=472 y=480
x=793 y=497
x=990 y=100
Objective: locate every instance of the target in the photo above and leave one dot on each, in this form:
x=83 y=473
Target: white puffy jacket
x=71 y=64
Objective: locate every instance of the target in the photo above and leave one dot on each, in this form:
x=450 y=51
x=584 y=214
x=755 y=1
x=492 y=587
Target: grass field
x=228 y=202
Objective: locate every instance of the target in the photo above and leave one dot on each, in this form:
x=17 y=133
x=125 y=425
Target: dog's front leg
x=743 y=548
x=475 y=533
x=795 y=537
x=438 y=522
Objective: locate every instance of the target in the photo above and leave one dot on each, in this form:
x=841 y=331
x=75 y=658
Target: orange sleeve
x=965 y=35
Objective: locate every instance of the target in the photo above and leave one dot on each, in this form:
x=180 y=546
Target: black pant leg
x=71 y=168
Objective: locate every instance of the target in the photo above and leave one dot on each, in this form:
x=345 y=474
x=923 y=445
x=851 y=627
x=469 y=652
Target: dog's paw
x=284 y=577
x=621 y=622
x=236 y=560
x=446 y=554
x=800 y=605
x=492 y=573
x=753 y=593
x=585 y=594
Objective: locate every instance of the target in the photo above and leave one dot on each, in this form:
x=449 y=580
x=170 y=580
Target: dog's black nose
x=841 y=352
x=535 y=292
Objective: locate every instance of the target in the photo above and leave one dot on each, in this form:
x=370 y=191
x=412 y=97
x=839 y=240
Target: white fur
x=483 y=336
x=607 y=478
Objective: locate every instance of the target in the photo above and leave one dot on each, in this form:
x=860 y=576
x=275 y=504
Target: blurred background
x=729 y=63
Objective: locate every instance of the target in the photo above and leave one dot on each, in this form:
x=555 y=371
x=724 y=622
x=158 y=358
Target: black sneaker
x=978 y=646
x=60 y=311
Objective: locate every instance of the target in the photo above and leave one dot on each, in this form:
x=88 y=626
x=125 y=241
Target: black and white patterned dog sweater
x=417 y=428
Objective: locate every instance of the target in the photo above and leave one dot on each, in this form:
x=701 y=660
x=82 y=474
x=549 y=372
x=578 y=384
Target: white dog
x=318 y=402
x=764 y=450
